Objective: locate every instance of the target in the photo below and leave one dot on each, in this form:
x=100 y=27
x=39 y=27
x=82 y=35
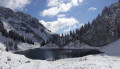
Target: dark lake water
x=55 y=54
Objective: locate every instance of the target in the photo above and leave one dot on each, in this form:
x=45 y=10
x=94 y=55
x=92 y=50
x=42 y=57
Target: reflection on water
x=55 y=54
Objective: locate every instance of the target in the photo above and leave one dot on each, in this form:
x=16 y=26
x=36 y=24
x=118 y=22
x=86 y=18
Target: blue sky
x=60 y=16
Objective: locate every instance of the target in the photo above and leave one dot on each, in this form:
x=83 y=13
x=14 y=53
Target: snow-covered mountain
x=105 y=28
x=19 y=27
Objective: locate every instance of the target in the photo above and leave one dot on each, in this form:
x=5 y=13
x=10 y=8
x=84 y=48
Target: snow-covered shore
x=109 y=60
x=14 y=61
x=88 y=62
x=11 y=61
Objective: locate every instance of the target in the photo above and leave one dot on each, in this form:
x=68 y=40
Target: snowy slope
x=22 y=22
x=25 y=25
x=112 y=49
x=17 y=25
x=26 y=46
x=2 y=47
x=50 y=45
x=77 y=45
x=3 y=41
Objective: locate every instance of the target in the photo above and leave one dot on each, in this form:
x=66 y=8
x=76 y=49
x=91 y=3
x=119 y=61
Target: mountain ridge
x=21 y=27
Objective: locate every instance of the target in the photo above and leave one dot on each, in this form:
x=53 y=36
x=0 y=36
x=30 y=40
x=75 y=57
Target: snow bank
x=50 y=45
x=88 y=62
x=2 y=47
x=26 y=46
x=77 y=45
x=112 y=49
x=11 y=61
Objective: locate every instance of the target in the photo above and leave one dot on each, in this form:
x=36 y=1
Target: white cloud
x=80 y=1
x=76 y=2
x=14 y=4
x=55 y=10
x=53 y=2
x=50 y=12
x=73 y=27
x=70 y=28
x=60 y=23
x=92 y=9
x=61 y=15
x=58 y=6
